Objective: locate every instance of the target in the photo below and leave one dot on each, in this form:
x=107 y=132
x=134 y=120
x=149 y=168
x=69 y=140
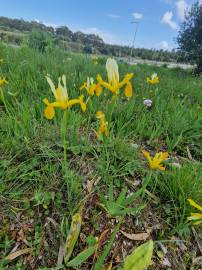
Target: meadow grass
x=32 y=182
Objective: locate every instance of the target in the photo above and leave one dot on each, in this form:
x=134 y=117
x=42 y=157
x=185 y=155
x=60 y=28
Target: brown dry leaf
x=108 y=267
x=52 y=221
x=166 y=263
x=196 y=261
x=189 y=154
x=100 y=241
x=91 y=184
x=155 y=199
x=61 y=253
x=175 y=164
x=117 y=259
x=196 y=236
x=136 y=236
x=15 y=247
x=18 y=253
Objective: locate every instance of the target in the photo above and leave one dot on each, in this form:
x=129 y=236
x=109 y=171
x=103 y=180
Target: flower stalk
x=63 y=133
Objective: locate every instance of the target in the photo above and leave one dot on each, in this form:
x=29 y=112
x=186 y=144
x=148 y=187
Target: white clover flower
x=147 y=102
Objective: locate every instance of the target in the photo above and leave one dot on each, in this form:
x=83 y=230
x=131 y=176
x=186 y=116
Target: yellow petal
x=51 y=84
x=99 y=114
x=126 y=80
x=196 y=218
x=63 y=88
x=164 y=155
x=147 y=155
x=105 y=84
x=194 y=204
x=129 y=76
x=160 y=157
x=196 y=215
x=83 y=86
x=128 y=90
x=98 y=90
x=161 y=168
x=83 y=107
x=82 y=104
x=3 y=81
x=49 y=112
x=92 y=89
x=59 y=95
x=73 y=101
x=112 y=71
x=45 y=100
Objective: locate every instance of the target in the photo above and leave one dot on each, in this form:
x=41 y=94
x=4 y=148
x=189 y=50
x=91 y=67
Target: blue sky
x=158 y=20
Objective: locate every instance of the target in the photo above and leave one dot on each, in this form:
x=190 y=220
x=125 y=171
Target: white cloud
x=107 y=37
x=164 y=45
x=46 y=24
x=36 y=20
x=168 y=19
x=137 y=15
x=182 y=7
x=51 y=24
x=113 y=16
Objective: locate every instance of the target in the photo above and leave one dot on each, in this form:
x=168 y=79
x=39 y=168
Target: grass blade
x=81 y=257
x=100 y=262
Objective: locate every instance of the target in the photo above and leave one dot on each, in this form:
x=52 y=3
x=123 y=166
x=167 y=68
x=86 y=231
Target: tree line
x=42 y=35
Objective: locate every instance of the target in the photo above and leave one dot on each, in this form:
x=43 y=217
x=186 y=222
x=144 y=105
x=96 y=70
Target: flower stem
x=111 y=108
x=2 y=98
x=63 y=132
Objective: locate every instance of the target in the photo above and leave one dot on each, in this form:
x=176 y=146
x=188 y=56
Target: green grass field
x=39 y=194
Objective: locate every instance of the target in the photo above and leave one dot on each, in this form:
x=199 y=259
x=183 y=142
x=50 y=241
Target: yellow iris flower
x=113 y=84
x=155 y=162
x=196 y=217
x=154 y=79
x=91 y=87
x=103 y=129
x=62 y=100
x=3 y=81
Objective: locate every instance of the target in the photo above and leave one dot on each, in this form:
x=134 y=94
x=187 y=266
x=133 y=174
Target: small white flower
x=147 y=102
x=135 y=145
x=154 y=75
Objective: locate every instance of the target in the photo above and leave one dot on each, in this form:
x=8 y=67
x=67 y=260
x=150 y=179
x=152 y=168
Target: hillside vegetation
x=17 y=31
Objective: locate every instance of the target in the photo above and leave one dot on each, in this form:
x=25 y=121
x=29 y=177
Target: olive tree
x=190 y=35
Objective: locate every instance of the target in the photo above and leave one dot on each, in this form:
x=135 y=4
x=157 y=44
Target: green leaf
x=81 y=257
x=132 y=197
x=122 y=196
x=140 y=258
x=72 y=236
x=111 y=196
x=100 y=262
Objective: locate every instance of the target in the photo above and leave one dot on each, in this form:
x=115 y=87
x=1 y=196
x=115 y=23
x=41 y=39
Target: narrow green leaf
x=132 y=197
x=140 y=258
x=81 y=257
x=100 y=262
x=111 y=195
x=122 y=195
